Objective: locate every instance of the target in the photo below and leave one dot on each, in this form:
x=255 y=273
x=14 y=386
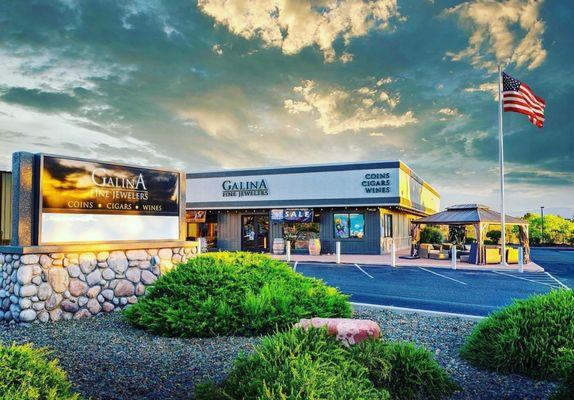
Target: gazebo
x=477 y=215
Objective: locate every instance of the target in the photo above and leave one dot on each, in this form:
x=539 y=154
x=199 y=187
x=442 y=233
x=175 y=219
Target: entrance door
x=255 y=232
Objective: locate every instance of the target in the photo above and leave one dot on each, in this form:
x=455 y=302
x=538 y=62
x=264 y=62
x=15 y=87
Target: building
x=362 y=205
x=5 y=207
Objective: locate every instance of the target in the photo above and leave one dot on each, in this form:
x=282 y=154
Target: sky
x=212 y=84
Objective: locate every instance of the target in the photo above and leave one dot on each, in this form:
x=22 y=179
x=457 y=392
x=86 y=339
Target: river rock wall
x=56 y=286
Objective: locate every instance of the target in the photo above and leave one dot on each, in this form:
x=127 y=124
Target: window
x=387 y=225
x=349 y=225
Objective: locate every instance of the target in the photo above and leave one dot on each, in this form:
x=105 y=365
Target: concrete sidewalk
x=385 y=260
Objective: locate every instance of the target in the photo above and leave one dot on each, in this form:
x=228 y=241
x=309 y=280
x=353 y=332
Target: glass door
x=255 y=233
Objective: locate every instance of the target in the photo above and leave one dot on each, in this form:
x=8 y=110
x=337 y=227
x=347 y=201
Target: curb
x=405 y=310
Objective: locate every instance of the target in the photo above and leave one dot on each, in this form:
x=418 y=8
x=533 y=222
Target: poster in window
x=341 y=225
x=356 y=225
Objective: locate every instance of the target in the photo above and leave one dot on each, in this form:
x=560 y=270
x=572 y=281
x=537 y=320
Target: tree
x=557 y=230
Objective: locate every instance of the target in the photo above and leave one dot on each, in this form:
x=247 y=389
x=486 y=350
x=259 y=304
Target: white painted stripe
x=443 y=276
x=363 y=271
x=524 y=279
x=419 y=311
x=557 y=280
x=295 y=265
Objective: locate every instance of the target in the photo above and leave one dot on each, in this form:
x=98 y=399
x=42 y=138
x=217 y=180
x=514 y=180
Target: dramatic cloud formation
x=493 y=24
x=293 y=25
x=339 y=110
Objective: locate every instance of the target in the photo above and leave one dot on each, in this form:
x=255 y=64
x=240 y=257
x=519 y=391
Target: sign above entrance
x=292 y=215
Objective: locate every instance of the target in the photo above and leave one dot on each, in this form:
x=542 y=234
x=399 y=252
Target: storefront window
x=349 y=225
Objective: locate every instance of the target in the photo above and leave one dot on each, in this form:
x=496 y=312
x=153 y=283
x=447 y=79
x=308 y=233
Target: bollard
x=453 y=256
x=338 y=252
x=393 y=254
x=288 y=250
x=520 y=259
x=199 y=246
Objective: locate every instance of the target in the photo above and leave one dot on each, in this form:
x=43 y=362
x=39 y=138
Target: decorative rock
x=144 y=265
x=67 y=294
x=88 y=262
x=37 y=280
x=155 y=270
x=57 y=263
x=348 y=331
x=155 y=260
x=67 y=316
x=69 y=306
x=94 y=306
x=82 y=301
x=28 y=290
x=30 y=259
x=82 y=314
x=124 y=288
x=116 y=301
x=136 y=255
x=133 y=274
x=165 y=254
x=24 y=274
x=74 y=271
x=43 y=316
x=108 y=294
x=118 y=262
x=45 y=261
x=132 y=299
x=27 y=315
x=94 y=278
x=53 y=301
x=140 y=289
x=56 y=315
x=101 y=298
x=176 y=258
x=58 y=278
x=44 y=291
x=94 y=291
x=25 y=303
x=123 y=301
x=77 y=287
x=147 y=278
x=102 y=256
x=39 y=305
x=108 y=307
x=109 y=274
x=57 y=256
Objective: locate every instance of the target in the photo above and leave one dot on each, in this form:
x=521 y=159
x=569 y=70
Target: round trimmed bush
x=233 y=294
x=432 y=235
x=528 y=337
x=299 y=364
x=26 y=374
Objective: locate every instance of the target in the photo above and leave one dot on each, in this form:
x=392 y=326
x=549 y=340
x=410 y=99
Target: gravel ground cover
x=106 y=358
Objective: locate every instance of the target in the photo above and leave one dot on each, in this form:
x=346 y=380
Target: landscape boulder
x=347 y=330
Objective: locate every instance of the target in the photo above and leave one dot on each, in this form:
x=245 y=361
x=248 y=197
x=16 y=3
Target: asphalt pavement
x=474 y=293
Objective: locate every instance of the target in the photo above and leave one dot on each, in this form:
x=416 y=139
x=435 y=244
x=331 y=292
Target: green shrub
x=311 y=364
x=296 y=365
x=25 y=374
x=414 y=373
x=431 y=235
x=528 y=337
x=493 y=237
x=233 y=293
x=566 y=390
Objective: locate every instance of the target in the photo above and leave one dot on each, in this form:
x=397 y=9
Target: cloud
x=489 y=87
x=292 y=25
x=217 y=49
x=35 y=98
x=339 y=110
x=501 y=32
x=448 y=113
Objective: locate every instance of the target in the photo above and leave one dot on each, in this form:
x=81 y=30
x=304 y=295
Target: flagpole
x=501 y=160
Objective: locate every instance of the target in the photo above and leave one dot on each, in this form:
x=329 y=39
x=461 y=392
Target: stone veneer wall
x=55 y=286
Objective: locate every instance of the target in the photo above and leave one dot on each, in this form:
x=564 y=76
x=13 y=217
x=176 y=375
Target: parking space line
x=295 y=265
x=524 y=279
x=443 y=276
x=363 y=271
x=557 y=280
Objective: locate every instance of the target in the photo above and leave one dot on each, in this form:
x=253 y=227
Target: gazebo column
x=479 y=229
x=415 y=237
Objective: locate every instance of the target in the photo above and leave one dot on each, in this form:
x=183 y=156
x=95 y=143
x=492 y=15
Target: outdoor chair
x=473 y=254
x=492 y=255
x=512 y=255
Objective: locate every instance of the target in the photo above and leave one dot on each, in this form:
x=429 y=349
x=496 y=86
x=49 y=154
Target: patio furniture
x=492 y=255
x=426 y=249
x=465 y=258
x=439 y=255
x=512 y=255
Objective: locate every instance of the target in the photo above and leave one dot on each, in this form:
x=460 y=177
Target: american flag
x=518 y=97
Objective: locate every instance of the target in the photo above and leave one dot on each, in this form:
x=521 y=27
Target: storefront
x=362 y=205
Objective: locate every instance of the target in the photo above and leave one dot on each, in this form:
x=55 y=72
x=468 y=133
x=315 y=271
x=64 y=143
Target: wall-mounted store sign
x=247 y=188
x=292 y=215
x=90 y=201
x=195 y=216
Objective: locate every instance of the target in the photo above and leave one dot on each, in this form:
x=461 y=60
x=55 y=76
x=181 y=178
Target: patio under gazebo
x=457 y=218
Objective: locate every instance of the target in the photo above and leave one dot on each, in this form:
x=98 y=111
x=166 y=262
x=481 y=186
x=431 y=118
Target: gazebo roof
x=468 y=214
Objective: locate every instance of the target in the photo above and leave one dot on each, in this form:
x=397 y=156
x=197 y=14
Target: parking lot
x=473 y=293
